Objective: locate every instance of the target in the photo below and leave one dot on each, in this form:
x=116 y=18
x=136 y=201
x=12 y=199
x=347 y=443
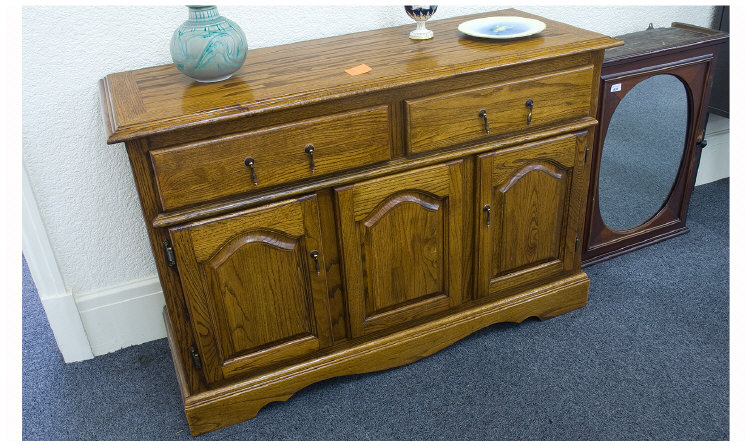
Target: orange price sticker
x=359 y=69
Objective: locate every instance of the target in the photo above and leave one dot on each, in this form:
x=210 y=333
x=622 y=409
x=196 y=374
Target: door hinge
x=195 y=357
x=586 y=157
x=169 y=254
x=577 y=243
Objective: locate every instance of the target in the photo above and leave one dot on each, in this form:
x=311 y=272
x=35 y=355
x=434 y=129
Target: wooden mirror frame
x=688 y=53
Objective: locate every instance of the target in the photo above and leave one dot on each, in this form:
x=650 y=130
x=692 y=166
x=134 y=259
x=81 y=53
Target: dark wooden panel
x=656 y=41
x=692 y=63
x=719 y=104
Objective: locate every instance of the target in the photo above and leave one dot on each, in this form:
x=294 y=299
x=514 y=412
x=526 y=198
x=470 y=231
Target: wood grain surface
x=255 y=295
x=194 y=173
x=530 y=193
x=402 y=244
x=376 y=250
x=555 y=97
x=159 y=99
x=234 y=403
x=689 y=54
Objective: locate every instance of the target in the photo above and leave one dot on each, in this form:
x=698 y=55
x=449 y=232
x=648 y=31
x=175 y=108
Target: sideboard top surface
x=159 y=99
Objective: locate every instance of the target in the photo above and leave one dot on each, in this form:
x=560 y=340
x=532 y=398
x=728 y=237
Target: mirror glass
x=642 y=151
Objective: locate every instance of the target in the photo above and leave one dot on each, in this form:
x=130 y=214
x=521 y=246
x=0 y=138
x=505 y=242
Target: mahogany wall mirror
x=638 y=169
x=653 y=96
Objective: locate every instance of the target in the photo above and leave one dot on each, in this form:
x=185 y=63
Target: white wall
x=84 y=188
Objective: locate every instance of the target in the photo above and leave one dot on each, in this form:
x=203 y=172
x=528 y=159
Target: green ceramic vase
x=208 y=47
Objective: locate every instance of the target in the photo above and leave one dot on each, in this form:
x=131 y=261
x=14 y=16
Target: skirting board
x=714 y=163
x=59 y=305
x=122 y=316
x=65 y=322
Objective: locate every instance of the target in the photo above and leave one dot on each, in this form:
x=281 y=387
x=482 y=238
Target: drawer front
x=236 y=164
x=443 y=120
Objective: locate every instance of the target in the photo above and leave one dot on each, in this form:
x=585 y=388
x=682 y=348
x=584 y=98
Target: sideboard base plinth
x=231 y=404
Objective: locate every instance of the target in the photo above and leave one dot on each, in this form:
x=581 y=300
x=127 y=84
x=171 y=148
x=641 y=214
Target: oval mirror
x=642 y=151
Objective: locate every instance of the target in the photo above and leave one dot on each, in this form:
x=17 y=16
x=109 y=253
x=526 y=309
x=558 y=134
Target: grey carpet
x=646 y=359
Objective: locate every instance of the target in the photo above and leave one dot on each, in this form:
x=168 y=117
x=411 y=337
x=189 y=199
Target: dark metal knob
x=249 y=162
x=483 y=115
x=530 y=106
x=309 y=149
x=314 y=255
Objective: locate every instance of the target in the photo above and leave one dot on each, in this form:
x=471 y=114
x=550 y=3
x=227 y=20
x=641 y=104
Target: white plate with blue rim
x=502 y=27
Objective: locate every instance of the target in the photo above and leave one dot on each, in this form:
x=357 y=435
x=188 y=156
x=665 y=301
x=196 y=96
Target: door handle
x=249 y=162
x=309 y=149
x=483 y=115
x=314 y=254
x=530 y=106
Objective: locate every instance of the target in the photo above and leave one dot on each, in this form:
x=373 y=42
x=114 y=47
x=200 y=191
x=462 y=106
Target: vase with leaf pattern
x=208 y=47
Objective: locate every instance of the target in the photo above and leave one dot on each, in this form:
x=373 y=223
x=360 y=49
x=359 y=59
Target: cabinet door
x=529 y=213
x=255 y=286
x=401 y=243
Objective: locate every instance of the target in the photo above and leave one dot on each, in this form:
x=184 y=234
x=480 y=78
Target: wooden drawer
x=443 y=120
x=199 y=172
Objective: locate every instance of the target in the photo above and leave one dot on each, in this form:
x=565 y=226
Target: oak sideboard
x=306 y=223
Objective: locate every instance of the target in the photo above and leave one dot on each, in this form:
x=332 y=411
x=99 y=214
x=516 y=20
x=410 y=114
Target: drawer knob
x=483 y=115
x=309 y=149
x=530 y=106
x=314 y=254
x=249 y=162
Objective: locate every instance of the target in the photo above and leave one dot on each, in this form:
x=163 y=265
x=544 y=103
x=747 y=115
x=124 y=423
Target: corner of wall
x=93 y=323
x=124 y=315
x=59 y=305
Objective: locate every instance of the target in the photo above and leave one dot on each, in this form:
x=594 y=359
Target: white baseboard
x=65 y=322
x=57 y=300
x=714 y=163
x=122 y=316
x=92 y=323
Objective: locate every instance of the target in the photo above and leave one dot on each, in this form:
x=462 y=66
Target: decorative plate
x=502 y=27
